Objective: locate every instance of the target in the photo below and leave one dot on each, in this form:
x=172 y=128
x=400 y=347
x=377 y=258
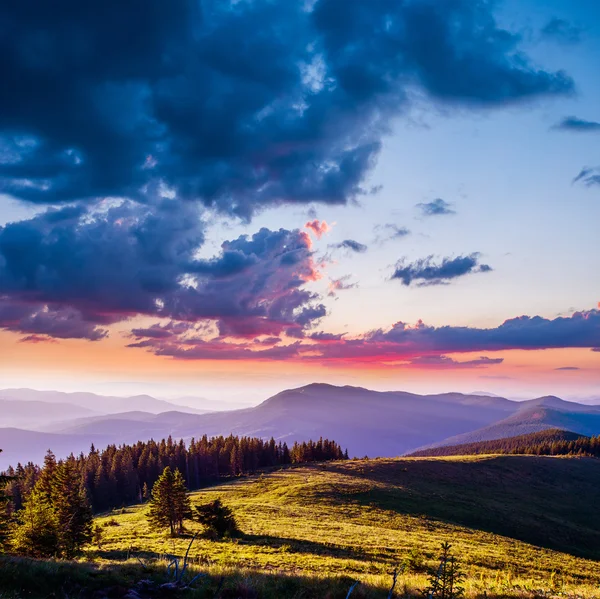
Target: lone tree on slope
x=169 y=504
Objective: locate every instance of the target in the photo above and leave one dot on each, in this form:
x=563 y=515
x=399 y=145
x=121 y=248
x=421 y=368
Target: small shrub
x=97 y=535
x=217 y=518
x=414 y=561
x=111 y=522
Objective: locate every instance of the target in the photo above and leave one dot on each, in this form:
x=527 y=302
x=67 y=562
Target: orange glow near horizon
x=78 y=361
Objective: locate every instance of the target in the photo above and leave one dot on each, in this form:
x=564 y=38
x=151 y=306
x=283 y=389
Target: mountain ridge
x=367 y=422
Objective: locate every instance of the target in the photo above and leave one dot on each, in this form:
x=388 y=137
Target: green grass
x=521 y=526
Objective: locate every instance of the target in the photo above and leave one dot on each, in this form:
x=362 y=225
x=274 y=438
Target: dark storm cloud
x=68 y=274
x=350 y=244
x=136 y=116
x=41 y=320
x=428 y=272
x=236 y=105
x=561 y=30
x=573 y=123
x=436 y=208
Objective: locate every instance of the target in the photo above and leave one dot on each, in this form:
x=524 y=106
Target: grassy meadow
x=521 y=526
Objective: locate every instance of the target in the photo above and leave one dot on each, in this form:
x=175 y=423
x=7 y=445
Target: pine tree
x=72 y=507
x=183 y=508
x=445 y=583
x=145 y=492
x=47 y=474
x=4 y=513
x=169 y=504
x=37 y=532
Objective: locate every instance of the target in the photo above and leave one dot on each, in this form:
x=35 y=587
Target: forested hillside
x=118 y=476
x=549 y=442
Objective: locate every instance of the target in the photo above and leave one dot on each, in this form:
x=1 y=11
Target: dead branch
x=351 y=589
x=395 y=578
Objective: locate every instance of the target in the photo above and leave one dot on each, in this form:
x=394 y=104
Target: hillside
x=533 y=443
x=531 y=417
x=521 y=526
x=549 y=502
x=26 y=414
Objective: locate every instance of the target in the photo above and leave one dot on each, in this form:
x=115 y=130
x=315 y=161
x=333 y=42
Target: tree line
x=57 y=499
x=549 y=442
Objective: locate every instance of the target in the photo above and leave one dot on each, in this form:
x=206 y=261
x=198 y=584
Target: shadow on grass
x=302 y=546
x=21 y=577
x=283 y=544
x=548 y=502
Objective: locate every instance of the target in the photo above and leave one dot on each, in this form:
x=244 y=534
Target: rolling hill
x=521 y=527
x=532 y=443
x=30 y=414
x=534 y=416
x=497 y=498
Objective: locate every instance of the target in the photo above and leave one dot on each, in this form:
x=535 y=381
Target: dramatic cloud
x=143 y=121
x=39 y=319
x=430 y=273
x=573 y=123
x=436 y=208
x=70 y=273
x=589 y=176
x=582 y=329
x=388 y=232
x=402 y=344
x=350 y=244
x=562 y=31
x=236 y=105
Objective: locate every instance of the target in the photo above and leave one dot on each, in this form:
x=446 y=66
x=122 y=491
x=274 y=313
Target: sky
x=224 y=199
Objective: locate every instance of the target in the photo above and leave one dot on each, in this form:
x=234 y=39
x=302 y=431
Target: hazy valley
x=371 y=423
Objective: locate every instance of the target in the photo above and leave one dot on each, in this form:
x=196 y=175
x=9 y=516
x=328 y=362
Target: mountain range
x=367 y=422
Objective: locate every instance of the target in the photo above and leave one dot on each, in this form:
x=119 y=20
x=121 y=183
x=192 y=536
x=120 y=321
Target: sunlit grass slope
x=519 y=525
x=511 y=519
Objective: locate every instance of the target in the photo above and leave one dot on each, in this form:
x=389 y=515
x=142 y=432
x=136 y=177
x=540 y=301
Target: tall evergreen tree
x=4 y=513
x=45 y=480
x=183 y=508
x=72 y=508
x=169 y=505
x=37 y=531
